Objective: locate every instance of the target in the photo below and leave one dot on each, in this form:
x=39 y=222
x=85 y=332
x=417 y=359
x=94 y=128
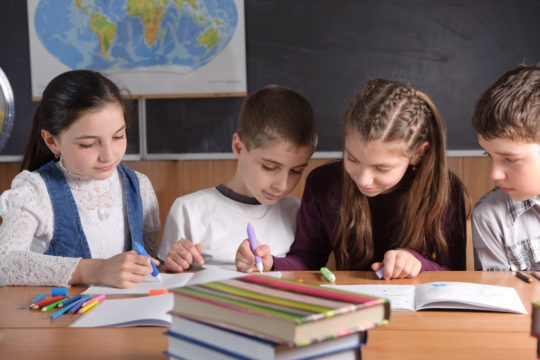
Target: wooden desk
x=409 y=335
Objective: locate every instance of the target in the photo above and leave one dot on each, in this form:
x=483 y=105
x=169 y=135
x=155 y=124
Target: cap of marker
x=59 y=291
x=328 y=274
x=158 y=292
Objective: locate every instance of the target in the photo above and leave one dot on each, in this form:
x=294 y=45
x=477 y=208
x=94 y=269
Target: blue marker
x=72 y=300
x=64 y=309
x=253 y=245
x=38 y=298
x=77 y=304
x=139 y=249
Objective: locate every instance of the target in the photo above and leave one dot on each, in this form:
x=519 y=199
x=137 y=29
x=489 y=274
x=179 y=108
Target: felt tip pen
x=380 y=273
x=536 y=274
x=64 y=310
x=95 y=298
x=327 y=274
x=139 y=249
x=253 y=245
x=70 y=300
x=90 y=306
x=53 y=305
x=523 y=277
x=79 y=303
x=38 y=298
x=46 y=302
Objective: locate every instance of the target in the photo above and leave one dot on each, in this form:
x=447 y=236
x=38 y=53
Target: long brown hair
x=389 y=111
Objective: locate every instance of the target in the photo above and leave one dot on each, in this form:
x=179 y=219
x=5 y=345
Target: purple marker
x=380 y=273
x=253 y=245
x=78 y=304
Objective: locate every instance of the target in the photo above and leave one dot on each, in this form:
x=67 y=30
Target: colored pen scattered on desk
x=79 y=304
x=64 y=310
x=536 y=274
x=46 y=302
x=253 y=245
x=54 y=304
x=38 y=298
x=89 y=306
x=327 y=274
x=523 y=277
x=70 y=300
x=98 y=298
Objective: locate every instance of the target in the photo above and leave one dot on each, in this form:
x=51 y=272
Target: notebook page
x=139 y=311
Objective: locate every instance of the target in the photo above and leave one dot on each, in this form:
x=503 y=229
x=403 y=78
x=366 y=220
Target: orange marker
x=158 y=292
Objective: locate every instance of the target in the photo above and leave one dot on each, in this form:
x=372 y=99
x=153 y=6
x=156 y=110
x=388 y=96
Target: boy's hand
x=245 y=259
x=182 y=255
x=398 y=264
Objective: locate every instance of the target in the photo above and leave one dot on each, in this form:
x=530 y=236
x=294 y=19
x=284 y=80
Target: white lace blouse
x=28 y=226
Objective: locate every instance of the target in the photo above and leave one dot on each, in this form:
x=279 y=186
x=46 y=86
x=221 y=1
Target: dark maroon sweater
x=318 y=221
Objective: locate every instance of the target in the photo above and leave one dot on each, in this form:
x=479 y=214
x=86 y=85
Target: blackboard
x=326 y=50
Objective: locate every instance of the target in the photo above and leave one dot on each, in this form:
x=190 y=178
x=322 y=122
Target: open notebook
x=444 y=295
x=138 y=311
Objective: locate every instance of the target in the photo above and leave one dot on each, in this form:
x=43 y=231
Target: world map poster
x=152 y=48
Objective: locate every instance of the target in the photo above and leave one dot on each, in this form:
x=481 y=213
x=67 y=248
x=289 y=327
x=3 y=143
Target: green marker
x=328 y=274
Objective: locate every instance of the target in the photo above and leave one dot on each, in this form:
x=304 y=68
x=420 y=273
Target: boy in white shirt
x=506 y=221
x=275 y=138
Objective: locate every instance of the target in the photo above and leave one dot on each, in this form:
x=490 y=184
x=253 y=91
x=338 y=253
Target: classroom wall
x=175 y=178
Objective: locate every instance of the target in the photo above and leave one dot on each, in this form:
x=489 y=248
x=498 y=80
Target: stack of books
x=260 y=317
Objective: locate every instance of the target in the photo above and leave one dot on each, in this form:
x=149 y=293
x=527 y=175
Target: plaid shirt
x=506 y=233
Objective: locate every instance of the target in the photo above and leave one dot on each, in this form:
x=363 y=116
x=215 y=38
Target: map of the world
x=127 y=34
x=175 y=36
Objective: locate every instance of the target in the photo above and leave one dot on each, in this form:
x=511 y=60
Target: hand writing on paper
x=123 y=270
x=245 y=258
x=398 y=264
x=182 y=255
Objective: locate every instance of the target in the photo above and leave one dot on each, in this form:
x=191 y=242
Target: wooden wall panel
x=172 y=178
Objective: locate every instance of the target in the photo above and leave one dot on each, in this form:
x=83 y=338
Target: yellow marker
x=87 y=307
x=328 y=274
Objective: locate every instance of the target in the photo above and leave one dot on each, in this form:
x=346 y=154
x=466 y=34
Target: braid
x=388 y=111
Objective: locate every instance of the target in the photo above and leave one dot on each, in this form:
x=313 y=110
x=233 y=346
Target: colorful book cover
x=281 y=309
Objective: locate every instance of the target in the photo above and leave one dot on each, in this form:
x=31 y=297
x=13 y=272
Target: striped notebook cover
x=284 y=310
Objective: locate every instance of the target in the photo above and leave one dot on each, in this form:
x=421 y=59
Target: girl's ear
x=51 y=143
x=237 y=145
x=419 y=153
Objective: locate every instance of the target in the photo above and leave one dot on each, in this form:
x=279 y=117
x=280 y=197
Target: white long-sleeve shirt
x=28 y=225
x=219 y=223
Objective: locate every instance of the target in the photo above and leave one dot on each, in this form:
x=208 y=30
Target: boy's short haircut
x=276 y=113
x=510 y=108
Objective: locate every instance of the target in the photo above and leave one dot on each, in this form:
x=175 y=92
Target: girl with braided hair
x=391 y=201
